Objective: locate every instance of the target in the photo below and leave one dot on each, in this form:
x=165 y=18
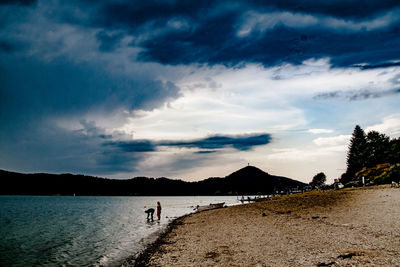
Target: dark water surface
x=83 y=231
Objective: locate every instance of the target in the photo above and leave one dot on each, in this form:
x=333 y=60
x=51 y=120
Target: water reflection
x=83 y=231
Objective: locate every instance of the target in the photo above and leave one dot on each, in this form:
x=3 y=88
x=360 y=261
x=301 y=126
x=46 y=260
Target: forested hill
x=249 y=180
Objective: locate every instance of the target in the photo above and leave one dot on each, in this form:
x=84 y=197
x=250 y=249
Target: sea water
x=85 y=230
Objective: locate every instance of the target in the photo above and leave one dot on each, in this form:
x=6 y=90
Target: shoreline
x=143 y=257
x=356 y=226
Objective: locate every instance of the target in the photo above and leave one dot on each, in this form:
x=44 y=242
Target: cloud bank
x=123 y=87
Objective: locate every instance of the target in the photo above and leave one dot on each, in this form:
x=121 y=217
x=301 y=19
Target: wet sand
x=348 y=227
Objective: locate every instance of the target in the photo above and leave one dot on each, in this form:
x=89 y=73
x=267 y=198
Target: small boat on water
x=210 y=207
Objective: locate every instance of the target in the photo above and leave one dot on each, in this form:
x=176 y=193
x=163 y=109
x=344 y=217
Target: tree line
x=367 y=150
x=246 y=181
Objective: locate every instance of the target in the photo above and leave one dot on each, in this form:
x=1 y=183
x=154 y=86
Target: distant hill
x=248 y=180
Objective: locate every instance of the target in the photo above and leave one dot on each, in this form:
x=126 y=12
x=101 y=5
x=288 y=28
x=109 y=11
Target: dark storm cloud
x=281 y=44
x=239 y=142
x=50 y=71
x=206 y=151
x=108 y=41
x=49 y=89
x=6 y=47
x=337 y=8
x=378 y=66
x=212 y=42
x=114 y=161
x=34 y=95
x=134 y=13
x=133 y=146
x=185 y=32
x=352 y=31
x=356 y=95
x=17 y=2
x=60 y=60
x=124 y=156
x=49 y=148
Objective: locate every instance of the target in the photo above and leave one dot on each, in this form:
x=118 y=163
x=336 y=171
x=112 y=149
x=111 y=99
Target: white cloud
x=264 y=21
x=184 y=164
x=305 y=154
x=155 y=28
x=320 y=131
x=303 y=163
x=260 y=22
x=249 y=99
x=389 y=126
x=332 y=141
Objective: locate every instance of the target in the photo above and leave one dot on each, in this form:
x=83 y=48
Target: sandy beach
x=348 y=227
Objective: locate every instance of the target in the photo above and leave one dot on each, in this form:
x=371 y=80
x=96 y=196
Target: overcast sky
x=194 y=89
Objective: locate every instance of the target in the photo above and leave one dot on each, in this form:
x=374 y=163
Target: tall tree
x=377 y=149
x=356 y=154
x=318 y=180
x=394 y=154
x=368 y=151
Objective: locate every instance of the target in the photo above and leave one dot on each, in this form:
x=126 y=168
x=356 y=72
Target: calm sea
x=84 y=231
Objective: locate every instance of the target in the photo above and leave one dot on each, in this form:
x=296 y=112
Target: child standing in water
x=158 y=210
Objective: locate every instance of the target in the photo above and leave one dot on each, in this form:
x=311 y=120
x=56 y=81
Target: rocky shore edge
x=143 y=258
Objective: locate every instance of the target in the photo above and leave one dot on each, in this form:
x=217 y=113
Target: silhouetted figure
x=150 y=212
x=158 y=210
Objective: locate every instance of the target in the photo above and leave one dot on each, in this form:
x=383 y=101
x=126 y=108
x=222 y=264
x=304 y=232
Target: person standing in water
x=158 y=210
